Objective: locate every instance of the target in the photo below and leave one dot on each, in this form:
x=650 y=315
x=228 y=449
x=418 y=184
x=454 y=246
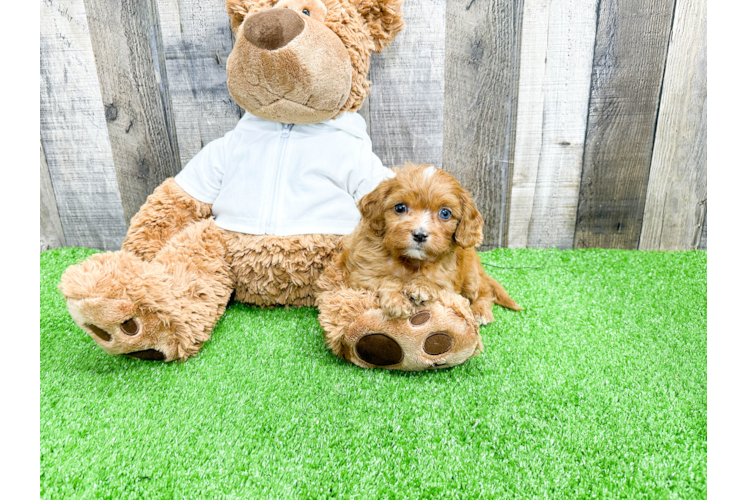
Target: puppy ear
x=371 y=206
x=469 y=233
x=383 y=18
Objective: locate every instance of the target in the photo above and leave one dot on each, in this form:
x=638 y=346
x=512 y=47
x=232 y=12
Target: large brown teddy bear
x=259 y=212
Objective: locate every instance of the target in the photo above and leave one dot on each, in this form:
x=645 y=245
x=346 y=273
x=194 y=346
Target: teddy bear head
x=305 y=61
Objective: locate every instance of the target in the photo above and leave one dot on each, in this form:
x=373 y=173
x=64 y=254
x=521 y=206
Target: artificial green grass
x=596 y=390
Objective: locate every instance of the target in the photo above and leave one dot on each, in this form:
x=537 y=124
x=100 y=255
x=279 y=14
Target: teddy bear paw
x=119 y=327
x=434 y=338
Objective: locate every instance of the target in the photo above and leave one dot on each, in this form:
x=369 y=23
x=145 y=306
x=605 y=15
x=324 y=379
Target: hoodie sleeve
x=201 y=178
x=373 y=175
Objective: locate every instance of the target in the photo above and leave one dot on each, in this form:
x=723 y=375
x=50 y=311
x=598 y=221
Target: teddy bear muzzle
x=289 y=67
x=273 y=29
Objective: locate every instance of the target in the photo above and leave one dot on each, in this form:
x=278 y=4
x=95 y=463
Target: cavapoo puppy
x=407 y=290
x=417 y=236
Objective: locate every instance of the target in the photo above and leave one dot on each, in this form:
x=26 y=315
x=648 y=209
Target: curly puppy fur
x=417 y=237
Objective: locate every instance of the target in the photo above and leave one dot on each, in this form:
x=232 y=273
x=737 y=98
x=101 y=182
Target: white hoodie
x=266 y=177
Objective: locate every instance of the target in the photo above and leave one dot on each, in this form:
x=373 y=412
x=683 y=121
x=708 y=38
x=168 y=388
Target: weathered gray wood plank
x=74 y=132
x=126 y=40
x=629 y=61
x=406 y=103
x=676 y=196
x=480 y=104
x=197 y=42
x=50 y=227
x=558 y=39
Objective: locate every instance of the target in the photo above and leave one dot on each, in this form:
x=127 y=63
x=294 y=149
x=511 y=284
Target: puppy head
x=421 y=213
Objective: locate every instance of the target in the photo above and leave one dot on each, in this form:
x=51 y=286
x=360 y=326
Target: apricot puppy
x=417 y=237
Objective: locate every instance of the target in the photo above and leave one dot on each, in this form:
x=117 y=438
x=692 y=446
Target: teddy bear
x=257 y=214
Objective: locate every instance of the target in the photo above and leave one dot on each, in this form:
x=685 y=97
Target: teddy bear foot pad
x=134 y=336
x=438 y=338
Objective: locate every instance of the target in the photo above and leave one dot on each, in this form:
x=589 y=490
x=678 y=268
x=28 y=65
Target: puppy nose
x=420 y=235
x=273 y=29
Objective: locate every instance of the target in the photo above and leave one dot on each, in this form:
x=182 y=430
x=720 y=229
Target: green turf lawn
x=596 y=390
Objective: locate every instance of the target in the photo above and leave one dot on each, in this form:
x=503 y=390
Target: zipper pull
x=286 y=130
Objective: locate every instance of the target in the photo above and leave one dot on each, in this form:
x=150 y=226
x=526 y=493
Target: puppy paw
x=421 y=291
x=396 y=304
x=482 y=312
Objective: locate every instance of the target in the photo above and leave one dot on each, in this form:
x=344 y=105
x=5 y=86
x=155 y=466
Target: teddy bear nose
x=273 y=29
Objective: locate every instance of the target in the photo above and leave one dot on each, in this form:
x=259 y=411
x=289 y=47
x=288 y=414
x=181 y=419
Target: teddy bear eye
x=400 y=208
x=306 y=12
x=445 y=213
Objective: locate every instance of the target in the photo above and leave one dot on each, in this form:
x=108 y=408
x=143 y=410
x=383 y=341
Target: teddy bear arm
x=165 y=213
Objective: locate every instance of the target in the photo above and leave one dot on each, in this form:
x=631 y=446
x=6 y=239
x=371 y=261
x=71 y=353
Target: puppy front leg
x=393 y=300
x=421 y=290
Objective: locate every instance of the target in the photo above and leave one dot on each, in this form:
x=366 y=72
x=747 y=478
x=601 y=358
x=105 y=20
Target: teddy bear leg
x=166 y=212
x=164 y=309
x=441 y=334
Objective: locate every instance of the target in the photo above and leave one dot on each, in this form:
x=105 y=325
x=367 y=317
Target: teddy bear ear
x=237 y=10
x=384 y=20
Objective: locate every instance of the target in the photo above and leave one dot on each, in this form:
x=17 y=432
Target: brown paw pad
x=420 y=318
x=130 y=327
x=99 y=332
x=437 y=343
x=379 y=350
x=148 y=354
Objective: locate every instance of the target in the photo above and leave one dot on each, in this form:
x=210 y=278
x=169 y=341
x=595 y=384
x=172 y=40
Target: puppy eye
x=400 y=208
x=445 y=213
x=305 y=12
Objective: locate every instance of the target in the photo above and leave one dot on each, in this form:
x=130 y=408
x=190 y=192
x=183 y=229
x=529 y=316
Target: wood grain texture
x=197 y=42
x=558 y=39
x=675 y=210
x=629 y=62
x=50 y=227
x=406 y=103
x=480 y=104
x=130 y=62
x=74 y=132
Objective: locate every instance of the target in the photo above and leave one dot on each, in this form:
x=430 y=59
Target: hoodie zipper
x=283 y=142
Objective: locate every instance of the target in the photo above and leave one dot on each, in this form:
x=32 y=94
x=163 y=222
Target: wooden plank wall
x=628 y=66
x=557 y=45
x=480 y=104
x=131 y=66
x=74 y=132
x=574 y=123
x=675 y=213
